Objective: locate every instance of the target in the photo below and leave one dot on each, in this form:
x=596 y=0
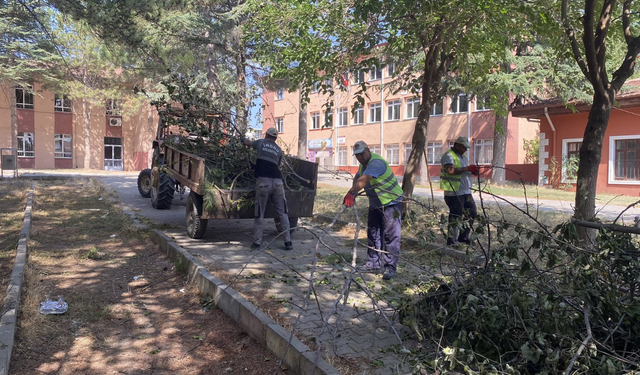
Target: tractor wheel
x=144 y=183
x=196 y=226
x=162 y=191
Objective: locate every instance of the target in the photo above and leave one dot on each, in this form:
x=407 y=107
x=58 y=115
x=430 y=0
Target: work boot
x=255 y=246
x=288 y=246
x=388 y=274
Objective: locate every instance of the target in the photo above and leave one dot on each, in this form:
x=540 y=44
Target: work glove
x=473 y=169
x=349 y=199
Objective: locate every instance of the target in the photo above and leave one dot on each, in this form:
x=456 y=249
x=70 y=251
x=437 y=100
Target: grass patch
x=426 y=219
x=93 y=253
x=512 y=189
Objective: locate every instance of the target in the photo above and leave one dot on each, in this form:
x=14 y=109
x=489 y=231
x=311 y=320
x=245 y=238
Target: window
x=481 y=104
x=328 y=120
x=393 y=110
x=358 y=116
x=375 y=73
x=315 y=87
x=343 y=117
x=315 y=120
x=358 y=77
x=627 y=159
x=62 y=103
x=26 y=145
x=113 y=107
x=434 y=152
x=280 y=94
x=375 y=112
x=413 y=107
x=24 y=97
x=391 y=69
x=570 y=158
x=62 y=147
x=342 y=155
x=375 y=149
x=407 y=151
x=483 y=151
x=624 y=159
x=459 y=104
x=437 y=108
x=280 y=125
x=393 y=154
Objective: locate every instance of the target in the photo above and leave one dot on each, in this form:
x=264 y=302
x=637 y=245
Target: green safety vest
x=450 y=182
x=385 y=186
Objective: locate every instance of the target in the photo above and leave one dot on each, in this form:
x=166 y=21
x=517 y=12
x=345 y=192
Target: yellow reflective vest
x=386 y=185
x=450 y=182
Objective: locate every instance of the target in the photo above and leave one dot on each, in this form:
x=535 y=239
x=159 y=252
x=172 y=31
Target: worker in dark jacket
x=385 y=209
x=269 y=186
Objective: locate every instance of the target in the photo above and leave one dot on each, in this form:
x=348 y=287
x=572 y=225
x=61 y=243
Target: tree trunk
x=499 y=162
x=213 y=78
x=212 y=70
x=242 y=110
x=418 y=142
x=302 y=128
x=86 y=117
x=590 y=156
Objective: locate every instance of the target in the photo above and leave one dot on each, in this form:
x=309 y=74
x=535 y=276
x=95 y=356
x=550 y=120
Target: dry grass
x=428 y=215
x=130 y=311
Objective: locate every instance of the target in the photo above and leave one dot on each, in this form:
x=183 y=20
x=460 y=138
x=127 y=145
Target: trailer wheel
x=144 y=183
x=162 y=191
x=196 y=225
x=293 y=224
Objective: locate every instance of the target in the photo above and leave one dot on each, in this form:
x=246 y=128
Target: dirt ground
x=130 y=310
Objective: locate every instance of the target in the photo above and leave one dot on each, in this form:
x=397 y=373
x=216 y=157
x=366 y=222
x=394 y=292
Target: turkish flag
x=345 y=81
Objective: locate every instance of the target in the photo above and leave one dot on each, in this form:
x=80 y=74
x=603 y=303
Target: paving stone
x=359 y=332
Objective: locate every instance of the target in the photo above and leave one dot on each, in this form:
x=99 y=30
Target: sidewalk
x=360 y=329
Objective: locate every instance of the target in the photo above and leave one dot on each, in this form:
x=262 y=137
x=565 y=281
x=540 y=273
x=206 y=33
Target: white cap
x=463 y=141
x=359 y=147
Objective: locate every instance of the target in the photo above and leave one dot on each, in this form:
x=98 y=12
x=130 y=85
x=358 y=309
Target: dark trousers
x=462 y=212
x=384 y=228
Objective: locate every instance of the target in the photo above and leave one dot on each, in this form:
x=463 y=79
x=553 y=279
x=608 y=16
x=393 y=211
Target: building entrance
x=113 y=154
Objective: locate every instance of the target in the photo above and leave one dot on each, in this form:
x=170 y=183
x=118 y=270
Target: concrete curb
x=11 y=301
x=296 y=356
x=440 y=249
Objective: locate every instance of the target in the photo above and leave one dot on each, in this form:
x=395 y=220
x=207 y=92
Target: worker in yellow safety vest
x=385 y=209
x=456 y=179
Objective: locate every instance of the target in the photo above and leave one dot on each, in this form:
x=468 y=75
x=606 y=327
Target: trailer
x=174 y=169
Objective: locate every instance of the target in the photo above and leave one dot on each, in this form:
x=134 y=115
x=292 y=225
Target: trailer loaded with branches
x=202 y=150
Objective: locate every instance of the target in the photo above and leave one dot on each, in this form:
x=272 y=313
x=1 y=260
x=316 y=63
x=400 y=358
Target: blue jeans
x=384 y=227
x=461 y=207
